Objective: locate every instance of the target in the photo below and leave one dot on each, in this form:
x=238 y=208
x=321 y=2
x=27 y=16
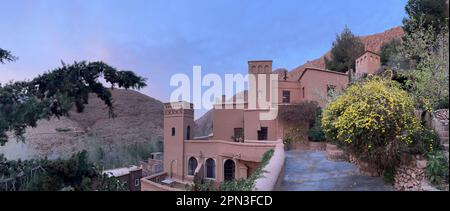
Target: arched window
x=188 y=133
x=210 y=168
x=173 y=131
x=228 y=170
x=192 y=165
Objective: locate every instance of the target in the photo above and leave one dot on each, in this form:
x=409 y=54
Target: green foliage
x=316 y=133
x=389 y=50
x=75 y=173
x=427 y=76
x=437 y=168
x=389 y=175
x=54 y=93
x=424 y=142
x=373 y=119
x=432 y=13
x=6 y=56
x=346 y=49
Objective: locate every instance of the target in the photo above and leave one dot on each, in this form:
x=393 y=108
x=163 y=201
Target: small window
x=192 y=165
x=331 y=89
x=238 y=134
x=173 y=131
x=262 y=134
x=136 y=182
x=286 y=97
x=188 y=133
x=303 y=92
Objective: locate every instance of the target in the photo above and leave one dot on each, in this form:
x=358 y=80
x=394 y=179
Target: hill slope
x=131 y=136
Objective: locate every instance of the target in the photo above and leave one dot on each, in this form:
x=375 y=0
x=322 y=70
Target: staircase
x=440 y=125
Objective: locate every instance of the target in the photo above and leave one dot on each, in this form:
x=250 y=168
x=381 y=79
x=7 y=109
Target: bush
x=437 y=168
x=294 y=115
x=373 y=120
x=424 y=142
x=316 y=133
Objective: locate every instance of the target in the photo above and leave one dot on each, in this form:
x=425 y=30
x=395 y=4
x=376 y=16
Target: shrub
x=437 y=168
x=424 y=141
x=372 y=120
x=316 y=133
x=294 y=115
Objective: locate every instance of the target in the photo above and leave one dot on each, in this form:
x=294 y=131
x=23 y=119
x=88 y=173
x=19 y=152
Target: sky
x=160 y=38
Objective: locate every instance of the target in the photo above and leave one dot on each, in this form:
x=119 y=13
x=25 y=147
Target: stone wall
x=440 y=125
x=365 y=168
x=333 y=153
x=410 y=174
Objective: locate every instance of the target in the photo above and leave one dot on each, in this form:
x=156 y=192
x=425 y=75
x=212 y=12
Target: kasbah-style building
x=222 y=155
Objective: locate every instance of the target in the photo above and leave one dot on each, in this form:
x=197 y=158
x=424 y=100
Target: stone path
x=311 y=171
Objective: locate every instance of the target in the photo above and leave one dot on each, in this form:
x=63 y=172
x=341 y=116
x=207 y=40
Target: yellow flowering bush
x=373 y=119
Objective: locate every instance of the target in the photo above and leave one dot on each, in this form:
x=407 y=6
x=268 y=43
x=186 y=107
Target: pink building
x=240 y=138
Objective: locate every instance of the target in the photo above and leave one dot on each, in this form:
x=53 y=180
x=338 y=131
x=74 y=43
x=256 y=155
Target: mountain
x=131 y=136
x=371 y=42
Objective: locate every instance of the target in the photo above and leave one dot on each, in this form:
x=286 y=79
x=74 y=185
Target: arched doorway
x=229 y=170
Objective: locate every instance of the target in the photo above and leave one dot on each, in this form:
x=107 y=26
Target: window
x=238 y=134
x=136 y=182
x=262 y=134
x=331 y=90
x=188 y=133
x=192 y=165
x=228 y=170
x=303 y=92
x=210 y=168
x=173 y=131
x=286 y=97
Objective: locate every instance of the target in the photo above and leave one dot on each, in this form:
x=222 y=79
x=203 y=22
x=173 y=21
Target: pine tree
x=345 y=51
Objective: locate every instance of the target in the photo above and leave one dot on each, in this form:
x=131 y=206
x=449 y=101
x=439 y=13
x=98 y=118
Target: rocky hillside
x=371 y=42
x=131 y=136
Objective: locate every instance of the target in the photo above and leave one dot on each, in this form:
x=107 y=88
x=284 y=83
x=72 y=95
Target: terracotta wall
x=315 y=82
x=224 y=122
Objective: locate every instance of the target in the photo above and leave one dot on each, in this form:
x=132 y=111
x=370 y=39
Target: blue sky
x=157 y=39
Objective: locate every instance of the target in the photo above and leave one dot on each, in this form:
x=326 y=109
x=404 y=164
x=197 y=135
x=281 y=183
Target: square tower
x=367 y=63
x=178 y=126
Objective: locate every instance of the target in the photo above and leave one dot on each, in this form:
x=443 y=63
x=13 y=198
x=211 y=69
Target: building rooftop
x=118 y=172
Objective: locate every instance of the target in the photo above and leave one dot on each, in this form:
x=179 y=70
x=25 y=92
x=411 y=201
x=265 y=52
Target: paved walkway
x=311 y=171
